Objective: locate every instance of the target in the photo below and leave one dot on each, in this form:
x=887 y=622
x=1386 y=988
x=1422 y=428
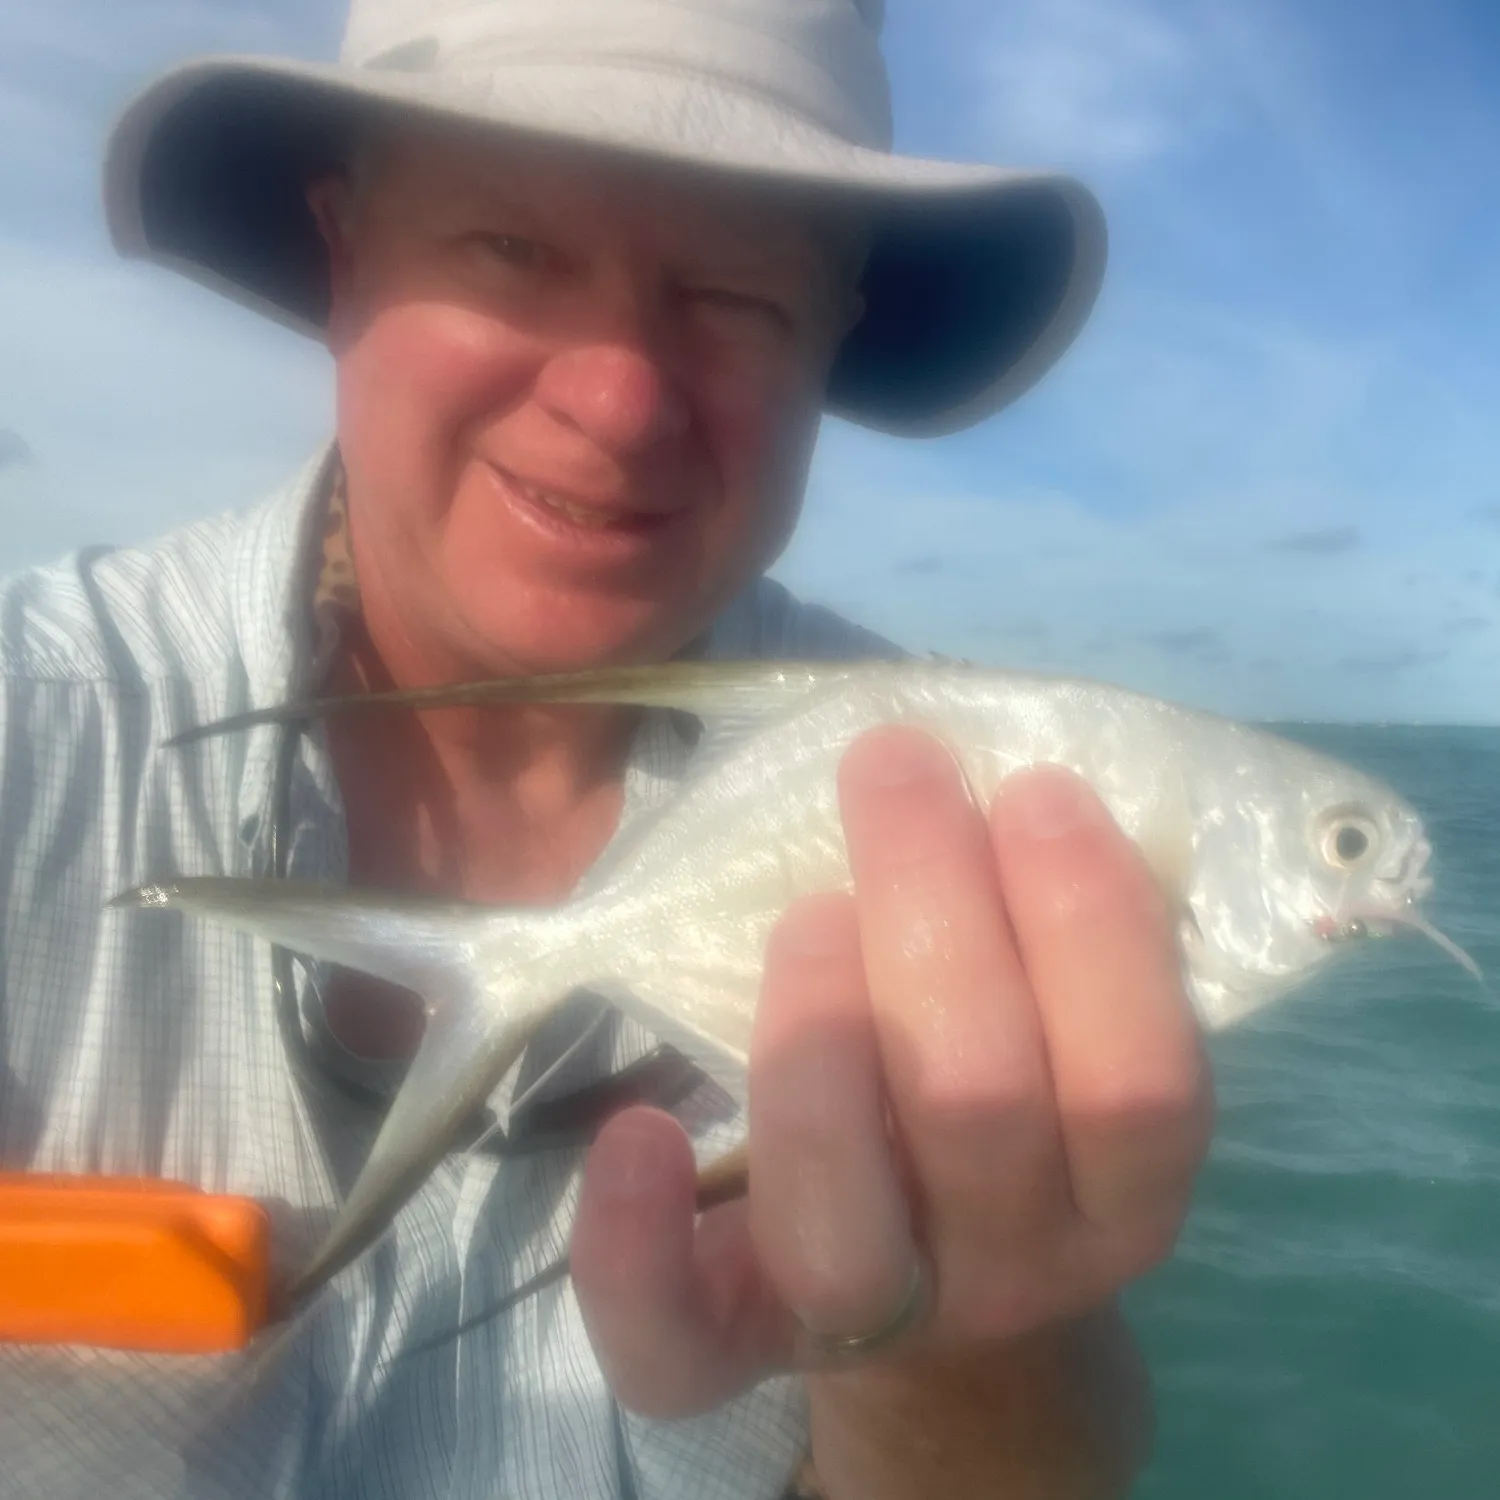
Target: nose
x=616 y=395
x=1418 y=881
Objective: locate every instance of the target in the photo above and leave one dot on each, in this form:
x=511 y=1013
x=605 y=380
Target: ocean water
x=1330 y=1324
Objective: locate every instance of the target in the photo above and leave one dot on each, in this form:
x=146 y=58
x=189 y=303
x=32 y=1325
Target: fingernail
x=902 y=758
x=1052 y=803
x=819 y=928
x=637 y=1163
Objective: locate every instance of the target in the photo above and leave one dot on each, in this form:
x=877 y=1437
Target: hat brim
x=978 y=277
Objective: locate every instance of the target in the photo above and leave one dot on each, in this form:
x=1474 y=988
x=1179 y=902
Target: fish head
x=1297 y=856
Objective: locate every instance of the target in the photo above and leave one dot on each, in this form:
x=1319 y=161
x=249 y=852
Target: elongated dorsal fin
x=711 y=689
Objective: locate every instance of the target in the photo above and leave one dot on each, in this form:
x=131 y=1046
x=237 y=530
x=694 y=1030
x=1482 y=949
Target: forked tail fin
x=473 y=969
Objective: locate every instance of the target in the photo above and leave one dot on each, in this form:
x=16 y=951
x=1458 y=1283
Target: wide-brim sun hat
x=978 y=277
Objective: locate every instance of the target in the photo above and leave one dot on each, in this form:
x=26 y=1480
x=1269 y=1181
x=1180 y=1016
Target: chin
x=572 y=640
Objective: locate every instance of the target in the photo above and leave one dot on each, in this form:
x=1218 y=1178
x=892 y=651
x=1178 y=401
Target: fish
x=1275 y=858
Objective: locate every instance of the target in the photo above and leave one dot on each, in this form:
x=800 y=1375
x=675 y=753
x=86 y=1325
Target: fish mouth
x=1380 y=919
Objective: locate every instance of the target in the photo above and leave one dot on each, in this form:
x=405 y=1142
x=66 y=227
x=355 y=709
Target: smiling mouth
x=591 y=517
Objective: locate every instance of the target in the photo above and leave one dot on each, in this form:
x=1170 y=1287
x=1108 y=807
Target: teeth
x=582 y=514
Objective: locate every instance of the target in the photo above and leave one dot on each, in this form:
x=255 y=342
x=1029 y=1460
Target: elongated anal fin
x=465 y=1052
x=709 y=688
x=478 y=1020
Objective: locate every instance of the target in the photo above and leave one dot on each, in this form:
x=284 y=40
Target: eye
x=1348 y=839
x=515 y=250
x=1349 y=843
x=743 y=303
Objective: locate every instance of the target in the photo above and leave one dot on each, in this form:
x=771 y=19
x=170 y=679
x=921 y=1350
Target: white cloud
x=144 y=402
x=1262 y=366
x=1130 y=519
x=67 y=67
x=1096 y=83
x=1296 y=338
x=1185 y=600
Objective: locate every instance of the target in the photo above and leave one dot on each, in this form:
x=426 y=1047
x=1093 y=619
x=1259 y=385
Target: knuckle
x=1143 y=1209
x=659 y=1393
x=892 y=756
x=804 y=1123
x=833 y=1300
x=1107 y=1261
x=904 y=800
x=1147 y=1245
x=913 y=857
x=819 y=926
x=1147 y=1104
x=1020 y=1296
x=1110 y=887
x=960 y=1103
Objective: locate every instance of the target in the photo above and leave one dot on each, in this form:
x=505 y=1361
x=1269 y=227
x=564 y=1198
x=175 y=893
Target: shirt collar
x=272 y=574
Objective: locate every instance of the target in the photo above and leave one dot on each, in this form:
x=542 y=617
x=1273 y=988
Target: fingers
x=682 y=1318
x=959 y=1033
x=653 y=1299
x=1043 y=1063
x=826 y=1208
x=986 y=1053
x=1096 y=937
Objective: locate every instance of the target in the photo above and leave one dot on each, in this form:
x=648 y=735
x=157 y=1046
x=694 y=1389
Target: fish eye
x=1348 y=839
x=1349 y=843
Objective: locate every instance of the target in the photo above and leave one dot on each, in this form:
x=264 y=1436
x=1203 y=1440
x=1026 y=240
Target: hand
x=1008 y=989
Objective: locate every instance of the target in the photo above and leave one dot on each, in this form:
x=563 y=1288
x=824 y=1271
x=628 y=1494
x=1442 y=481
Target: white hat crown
x=819 y=60
x=978 y=277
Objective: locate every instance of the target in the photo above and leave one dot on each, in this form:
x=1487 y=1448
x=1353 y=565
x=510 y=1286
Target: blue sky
x=1266 y=480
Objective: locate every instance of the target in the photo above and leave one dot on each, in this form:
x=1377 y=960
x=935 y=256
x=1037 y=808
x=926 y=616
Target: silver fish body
x=1271 y=850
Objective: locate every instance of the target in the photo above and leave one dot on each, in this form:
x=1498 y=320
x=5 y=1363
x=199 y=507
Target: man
x=590 y=272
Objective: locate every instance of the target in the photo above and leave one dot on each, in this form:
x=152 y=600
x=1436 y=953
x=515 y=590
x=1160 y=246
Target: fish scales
x=679 y=919
x=1271 y=853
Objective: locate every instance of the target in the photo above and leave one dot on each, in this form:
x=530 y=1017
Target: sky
x=1266 y=479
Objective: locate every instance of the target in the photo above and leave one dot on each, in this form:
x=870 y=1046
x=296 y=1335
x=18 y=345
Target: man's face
x=577 y=398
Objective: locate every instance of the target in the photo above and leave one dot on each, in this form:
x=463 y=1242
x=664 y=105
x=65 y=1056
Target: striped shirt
x=133 y=1046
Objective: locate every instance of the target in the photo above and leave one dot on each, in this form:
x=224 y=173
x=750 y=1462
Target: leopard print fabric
x=336 y=593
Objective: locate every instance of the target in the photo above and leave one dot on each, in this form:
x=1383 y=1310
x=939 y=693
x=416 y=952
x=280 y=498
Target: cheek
x=760 y=430
x=418 y=379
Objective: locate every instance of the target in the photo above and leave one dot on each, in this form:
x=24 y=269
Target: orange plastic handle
x=130 y=1263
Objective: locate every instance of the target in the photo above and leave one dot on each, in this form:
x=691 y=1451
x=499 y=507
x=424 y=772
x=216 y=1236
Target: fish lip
x=1380 y=918
x=1342 y=927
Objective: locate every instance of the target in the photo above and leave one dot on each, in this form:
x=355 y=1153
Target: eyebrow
x=831 y=244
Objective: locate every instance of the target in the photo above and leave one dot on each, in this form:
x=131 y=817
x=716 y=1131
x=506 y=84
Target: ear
x=330 y=200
